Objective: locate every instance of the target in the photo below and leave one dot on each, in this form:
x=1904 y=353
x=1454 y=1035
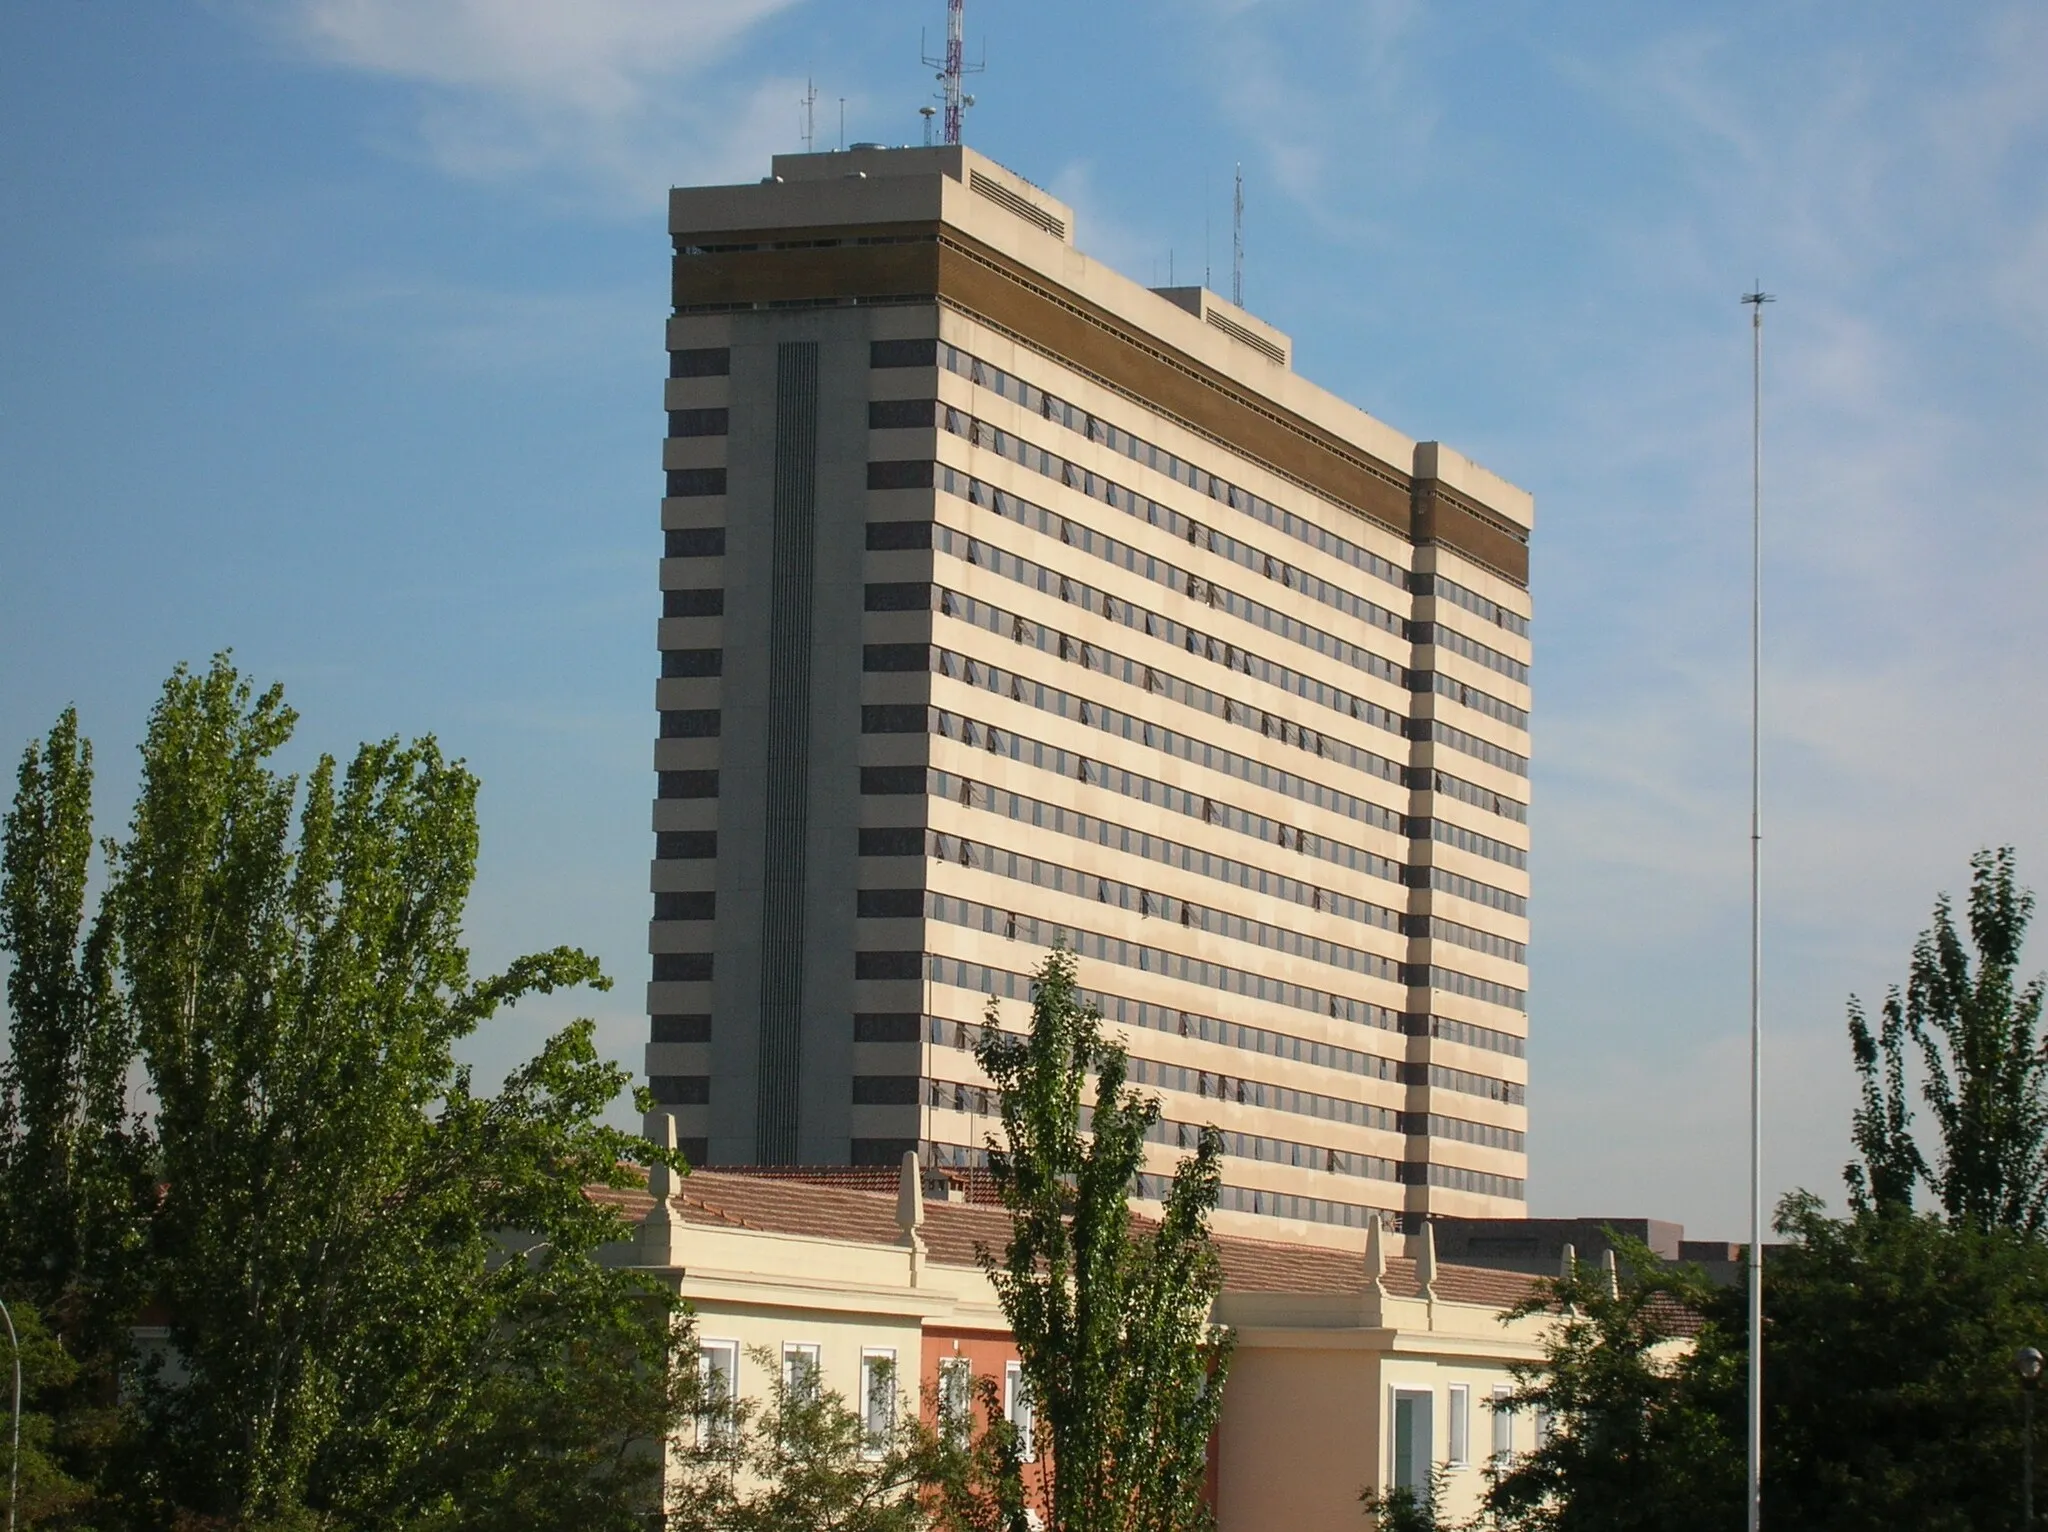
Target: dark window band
x=885 y=1090
x=693 y=603
x=701 y=362
x=681 y=967
x=686 y=845
x=904 y=473
x=690 y=723
x=903 y=353
x=699 y=422
x=681 y=1029
x=684 y=482
x=687 y=784
x=694 y=543
x=700 y=905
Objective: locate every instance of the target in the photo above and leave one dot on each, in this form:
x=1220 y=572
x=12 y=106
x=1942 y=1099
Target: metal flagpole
x=1756 y=300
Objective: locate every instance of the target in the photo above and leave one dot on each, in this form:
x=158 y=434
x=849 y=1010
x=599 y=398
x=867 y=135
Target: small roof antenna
x=953 y=67
x=927 y=113
x=809 y=102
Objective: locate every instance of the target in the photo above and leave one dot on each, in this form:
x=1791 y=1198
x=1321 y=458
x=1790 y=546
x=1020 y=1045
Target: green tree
x=1409 y=1510
x=50 y=1496
x=357 y=1333
x=1887 y=1370
x=806 y=1460
x=72 y=1161
x=1635 y=1387
x=1111 y=1320
x=1983 y=1072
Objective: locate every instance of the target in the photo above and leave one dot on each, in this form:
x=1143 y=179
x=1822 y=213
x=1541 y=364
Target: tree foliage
x=1976 y=1031
x=805 y=1459
x=73 y=1164
x=1635 y=1384
x=1111 y=1321
x=354 y=1337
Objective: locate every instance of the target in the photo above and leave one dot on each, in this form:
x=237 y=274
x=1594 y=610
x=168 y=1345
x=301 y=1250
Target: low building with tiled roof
x=1351 y=1368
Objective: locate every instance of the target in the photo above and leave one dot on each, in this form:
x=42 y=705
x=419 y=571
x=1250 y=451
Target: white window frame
x=956 y=1416
x=1017 y=1409
x=806 y=1351
x=1503 y=1427
x=1458 y=1435
x=1426 y=1415
x=709 y=1427
x=875 y=1444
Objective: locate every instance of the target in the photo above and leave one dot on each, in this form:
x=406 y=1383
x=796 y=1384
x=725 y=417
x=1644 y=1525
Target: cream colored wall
x=1307 y=1420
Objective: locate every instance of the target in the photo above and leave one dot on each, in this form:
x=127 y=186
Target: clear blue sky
x=331 y=330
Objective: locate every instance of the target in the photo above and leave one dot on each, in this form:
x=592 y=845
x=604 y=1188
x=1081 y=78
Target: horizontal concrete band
x=940 y=263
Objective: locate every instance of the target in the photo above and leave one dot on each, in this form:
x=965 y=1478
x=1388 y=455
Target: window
x=888 y=965
x=1545 y=1424
x=800 y=1372
x=693 y=543
x=681 y=1090
x=710 y=422
x=886 y=1027
x=903 y=473
x=686 y=906
x=1017 y=1410
x=899 y=414
x=681 y=967
x=903 y=353
x=682 y=1029
x=695 y=481
x=1503 y=1428
x=692 y=603
x=956 y=1399
x=691 y=723
x=877 y=1400
x=1460 y=1426
x=885 y=1090
x=1411 y=1445
x=718 y=1372
x=702 y=362
x=687 y=784
x=684 y=663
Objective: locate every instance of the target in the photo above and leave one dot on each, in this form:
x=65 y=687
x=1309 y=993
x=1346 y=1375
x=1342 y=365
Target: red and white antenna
x=953 y=67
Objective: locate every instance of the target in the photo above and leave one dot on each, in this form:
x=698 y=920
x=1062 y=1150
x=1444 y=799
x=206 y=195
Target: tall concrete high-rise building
x=1007 y=601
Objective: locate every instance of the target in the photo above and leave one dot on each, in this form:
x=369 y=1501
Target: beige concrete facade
x=1008 y=601
x=1332 y=1348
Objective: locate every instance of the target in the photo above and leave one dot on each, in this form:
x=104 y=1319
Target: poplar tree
x=1975 y=1028
x=72 y=1160
x=1111 y=1319
x=382 y=1287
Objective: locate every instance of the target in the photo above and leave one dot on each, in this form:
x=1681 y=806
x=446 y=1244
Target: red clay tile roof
x=823 y=1206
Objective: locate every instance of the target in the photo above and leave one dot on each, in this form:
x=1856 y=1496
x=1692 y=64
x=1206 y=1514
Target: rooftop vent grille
x=1257 y=342
x=1025 y=209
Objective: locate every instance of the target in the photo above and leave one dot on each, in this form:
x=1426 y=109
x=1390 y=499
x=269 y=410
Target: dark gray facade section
x=793 y=555
x=831 y=935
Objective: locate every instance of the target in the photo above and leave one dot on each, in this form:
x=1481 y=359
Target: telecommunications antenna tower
x=1237 y=241
x=953 y=67
x=809 y=102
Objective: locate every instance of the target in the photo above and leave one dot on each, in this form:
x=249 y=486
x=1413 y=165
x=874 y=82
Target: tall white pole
x=14 y=1462
x=1756 y=301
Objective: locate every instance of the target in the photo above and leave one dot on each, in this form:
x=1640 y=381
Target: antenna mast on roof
x=1237 y=241
x=953 y=67
x=809 y=102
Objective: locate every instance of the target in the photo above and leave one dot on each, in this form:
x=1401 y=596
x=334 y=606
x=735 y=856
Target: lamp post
x=2026 y=1366
x=14 y=1463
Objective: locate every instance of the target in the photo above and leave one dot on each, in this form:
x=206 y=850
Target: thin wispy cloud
x=615 y=99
